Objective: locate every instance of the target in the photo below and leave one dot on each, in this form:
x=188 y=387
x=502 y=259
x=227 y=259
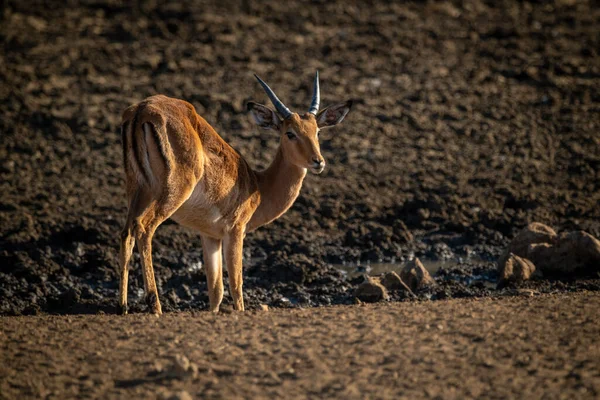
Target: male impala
x=178 y=167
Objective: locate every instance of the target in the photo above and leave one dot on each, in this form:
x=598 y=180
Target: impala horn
x=279 y=106
x=314 y=106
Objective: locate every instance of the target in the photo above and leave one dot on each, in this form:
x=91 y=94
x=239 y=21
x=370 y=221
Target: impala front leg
x=234 y=243
x=211 y=248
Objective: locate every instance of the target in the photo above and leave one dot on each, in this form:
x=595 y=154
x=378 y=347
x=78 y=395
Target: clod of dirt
x=371 y=291
x=182 y=395
x=533 y=233
x=515 y=270
x=572 y=252
x=402 y=233
x=182 y=368
x=416 y=276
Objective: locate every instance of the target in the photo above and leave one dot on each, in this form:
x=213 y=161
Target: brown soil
x=516 y=347
x=470 y=120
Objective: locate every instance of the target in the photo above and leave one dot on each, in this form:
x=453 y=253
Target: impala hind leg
x=156 y=213
x=234 y=242
x=144 y=242
x=213 y=263
x=127 y=243
x=136 y=205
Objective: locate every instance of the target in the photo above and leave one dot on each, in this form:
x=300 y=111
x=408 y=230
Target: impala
x=177 y=166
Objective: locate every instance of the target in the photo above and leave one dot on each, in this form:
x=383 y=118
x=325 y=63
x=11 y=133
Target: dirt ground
x=516 y=347
x=470 y=120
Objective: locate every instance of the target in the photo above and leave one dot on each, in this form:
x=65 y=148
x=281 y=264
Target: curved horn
x=279 y=106
x=314 y=106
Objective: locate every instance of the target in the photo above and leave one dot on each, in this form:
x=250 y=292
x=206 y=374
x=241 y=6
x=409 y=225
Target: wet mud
x=470 y=121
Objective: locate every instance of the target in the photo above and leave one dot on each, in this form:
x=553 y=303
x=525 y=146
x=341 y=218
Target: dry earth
x=544 y=346
x=471 y=119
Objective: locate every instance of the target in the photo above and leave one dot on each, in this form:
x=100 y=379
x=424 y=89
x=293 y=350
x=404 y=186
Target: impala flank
x=178 y=167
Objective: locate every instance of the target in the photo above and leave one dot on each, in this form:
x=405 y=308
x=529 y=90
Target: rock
x=370 y=291
x=391 y=281
x=571 y=252
x=559 y=255
x=182 y=395
x=515 y=270
x=182 y=368
x=264 y=307
x=534 y=233
x=527 y=292
x=283 y=302
x=416 y=276
x=181 y=364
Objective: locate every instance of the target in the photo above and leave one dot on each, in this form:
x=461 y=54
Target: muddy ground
x=516 y=347
x=470 y=121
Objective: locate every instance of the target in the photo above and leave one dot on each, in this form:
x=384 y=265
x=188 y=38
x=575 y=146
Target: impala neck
x=279 y=186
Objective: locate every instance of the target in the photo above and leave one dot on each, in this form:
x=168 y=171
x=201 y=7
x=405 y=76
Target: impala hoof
x=153 y=304
x=122 y=309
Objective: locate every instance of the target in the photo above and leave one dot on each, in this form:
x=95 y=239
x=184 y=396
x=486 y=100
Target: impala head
x=299 y=132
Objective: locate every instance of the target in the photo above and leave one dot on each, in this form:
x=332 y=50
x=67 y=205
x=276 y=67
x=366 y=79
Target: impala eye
x=291 y=135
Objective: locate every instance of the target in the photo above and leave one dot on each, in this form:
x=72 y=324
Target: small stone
x=180 y=364
x=391 y=281
x=370 y=291
x=570 y=252
x=182 y=368
x=534 y=233
x=416 y=276
x=552 y=254
x=284 y=302
x=527 y=292
x=182 y=395
x=264 y=307
x=515 y=270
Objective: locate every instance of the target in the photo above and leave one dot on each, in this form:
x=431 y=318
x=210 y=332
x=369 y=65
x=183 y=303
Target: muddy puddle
x=469 y=271
x=352 y=270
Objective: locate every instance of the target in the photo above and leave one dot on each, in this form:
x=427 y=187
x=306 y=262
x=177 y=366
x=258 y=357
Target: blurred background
x=471 y=119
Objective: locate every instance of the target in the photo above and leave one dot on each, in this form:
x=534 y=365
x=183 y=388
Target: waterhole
x=352 y=270
x=464 y=269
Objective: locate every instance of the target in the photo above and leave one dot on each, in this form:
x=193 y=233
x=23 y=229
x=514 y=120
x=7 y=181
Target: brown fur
x=178 y=167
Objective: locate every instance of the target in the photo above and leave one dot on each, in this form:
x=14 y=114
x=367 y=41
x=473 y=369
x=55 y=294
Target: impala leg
x=145 y=247
x=127 y=243
x=152 y=217
x=213 y=262
x=136 y=205
x=234 y=242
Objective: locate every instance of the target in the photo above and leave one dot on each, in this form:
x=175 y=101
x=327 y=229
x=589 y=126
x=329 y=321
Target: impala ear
x=333 y=115
x=264 y=116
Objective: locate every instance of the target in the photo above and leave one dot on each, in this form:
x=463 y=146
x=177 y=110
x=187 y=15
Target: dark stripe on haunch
x=124 y=128
x=161 y=145
x=135 y=146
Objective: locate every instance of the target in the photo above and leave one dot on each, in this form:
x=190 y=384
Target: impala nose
x=318 y=165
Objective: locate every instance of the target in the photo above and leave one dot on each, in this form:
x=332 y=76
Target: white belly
x=199 y=213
